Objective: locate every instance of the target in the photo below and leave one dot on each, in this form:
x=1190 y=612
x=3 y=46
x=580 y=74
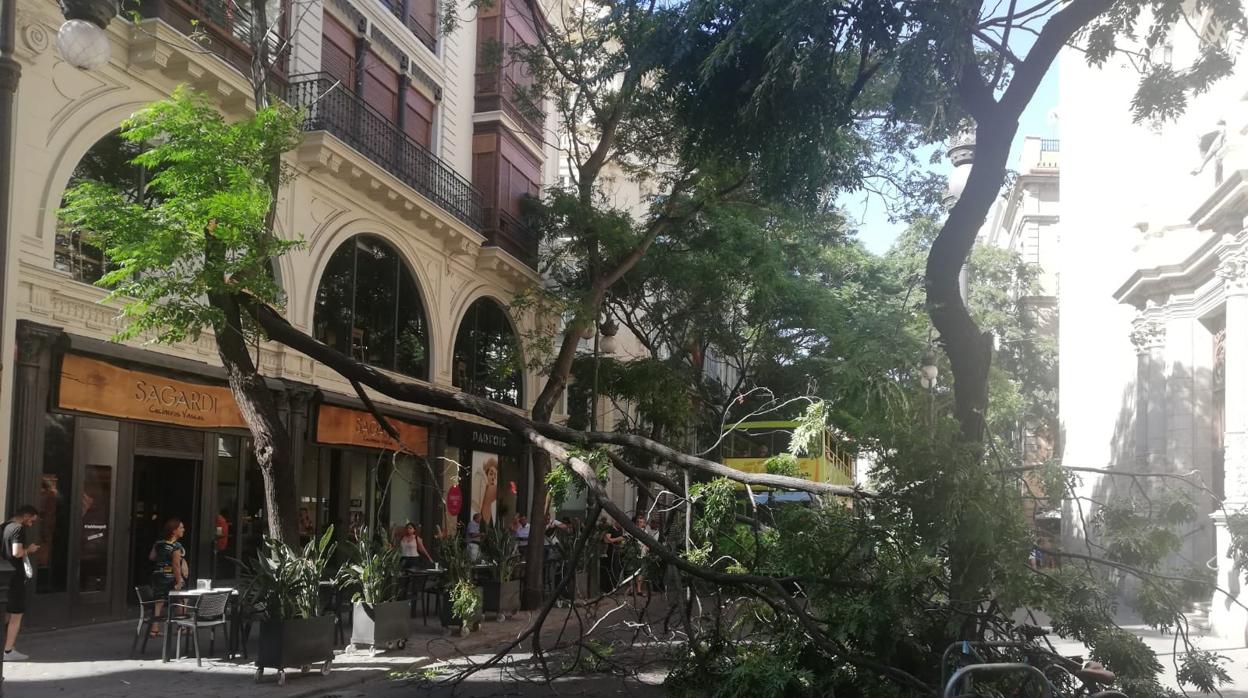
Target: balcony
x=507 y=233
x=419 y=23
x=220 y=26
x=330 y=107
x=496 y=91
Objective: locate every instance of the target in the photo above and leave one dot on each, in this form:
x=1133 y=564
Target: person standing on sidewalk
x=18 y=554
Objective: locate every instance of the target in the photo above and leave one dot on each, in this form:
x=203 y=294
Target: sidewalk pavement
x=95 y=661
x=1169 y=654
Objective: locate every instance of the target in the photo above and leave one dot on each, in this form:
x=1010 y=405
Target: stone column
x=1226 y=617
x=1148 y=334
x=31 y=383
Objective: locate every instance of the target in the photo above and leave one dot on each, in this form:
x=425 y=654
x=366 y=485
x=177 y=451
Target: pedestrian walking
x=18 y=553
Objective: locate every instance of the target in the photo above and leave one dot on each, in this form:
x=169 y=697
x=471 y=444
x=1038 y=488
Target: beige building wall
x=337 y=193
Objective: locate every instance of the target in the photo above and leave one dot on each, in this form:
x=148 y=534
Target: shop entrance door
x=165 y=487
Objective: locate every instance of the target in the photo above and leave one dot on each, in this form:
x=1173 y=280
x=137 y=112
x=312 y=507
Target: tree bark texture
x=270 y=439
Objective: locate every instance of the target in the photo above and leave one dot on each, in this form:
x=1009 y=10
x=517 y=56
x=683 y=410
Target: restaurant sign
x=480 y=438
x=98 y=387
x=348 y=427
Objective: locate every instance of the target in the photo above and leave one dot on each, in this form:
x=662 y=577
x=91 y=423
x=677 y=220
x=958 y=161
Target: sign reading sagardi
x=348 y=427
x=98 y=387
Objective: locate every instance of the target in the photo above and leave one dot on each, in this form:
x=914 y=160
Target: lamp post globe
x=83 y=44
x=928 y=370
x=82 y=41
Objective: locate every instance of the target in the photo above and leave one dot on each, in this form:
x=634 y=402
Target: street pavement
x=94 y=661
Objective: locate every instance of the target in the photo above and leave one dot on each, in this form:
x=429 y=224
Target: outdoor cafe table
x=185 y=595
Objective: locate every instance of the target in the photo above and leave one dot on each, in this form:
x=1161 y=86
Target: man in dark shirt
x=16 y=552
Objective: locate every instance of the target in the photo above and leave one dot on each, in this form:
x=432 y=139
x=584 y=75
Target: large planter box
x=381 y=624
x=299 y=642
x=448 y=618
x=502 y=598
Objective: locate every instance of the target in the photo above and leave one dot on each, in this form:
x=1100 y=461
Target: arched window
x=107 y=162
x=368 y=306
x=487 y=356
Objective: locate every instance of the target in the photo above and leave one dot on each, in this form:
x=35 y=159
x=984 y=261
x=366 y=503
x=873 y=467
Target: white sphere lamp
x=83 y=44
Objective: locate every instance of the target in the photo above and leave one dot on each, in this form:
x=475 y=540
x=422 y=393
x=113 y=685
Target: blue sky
x=875 y=230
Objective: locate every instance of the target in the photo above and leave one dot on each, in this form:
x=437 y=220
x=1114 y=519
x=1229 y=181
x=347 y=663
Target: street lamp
x=609 y=330
x=928 y=370
x=81 y=40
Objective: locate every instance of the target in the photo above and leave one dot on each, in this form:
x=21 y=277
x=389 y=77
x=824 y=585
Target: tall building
x=1153 y=284
x=408 y=184
x=1025 y=221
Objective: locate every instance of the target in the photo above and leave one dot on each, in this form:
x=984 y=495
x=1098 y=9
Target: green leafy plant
x=500 y=550
x=373 y=571
x=285 y=582
x=466 y=600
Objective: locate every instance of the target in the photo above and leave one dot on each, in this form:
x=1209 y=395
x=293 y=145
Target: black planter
x=501 y=597
x=444 y=612
x=447 y=617
x=298 y=642
x=381 y=624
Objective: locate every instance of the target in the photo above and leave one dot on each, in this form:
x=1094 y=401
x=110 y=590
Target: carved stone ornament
x=1233 y=270
x=1147 y=332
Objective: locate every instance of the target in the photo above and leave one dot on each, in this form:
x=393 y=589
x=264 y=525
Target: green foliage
x=373 y=570
x=466 y=602
x=285 y=582
x=500 y=550
x=783 y=464
x=204 y=231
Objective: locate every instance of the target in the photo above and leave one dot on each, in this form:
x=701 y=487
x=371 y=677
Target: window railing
x=507 y=233
x=222 y=26
x=331 y=107
x=1050 y=145
x=402 y=10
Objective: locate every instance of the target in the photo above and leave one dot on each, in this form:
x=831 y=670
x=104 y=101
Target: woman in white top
x=411 y=548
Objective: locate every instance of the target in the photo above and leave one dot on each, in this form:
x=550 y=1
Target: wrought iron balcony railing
x=510 y=235
x=222 y=26
x=331 y=107
x=403 y=10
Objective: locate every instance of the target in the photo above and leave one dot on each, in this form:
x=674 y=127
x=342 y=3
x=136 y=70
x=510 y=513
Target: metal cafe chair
x=209 y=612
x=147 y=617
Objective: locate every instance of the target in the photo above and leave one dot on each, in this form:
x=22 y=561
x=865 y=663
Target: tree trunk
x=270 y=439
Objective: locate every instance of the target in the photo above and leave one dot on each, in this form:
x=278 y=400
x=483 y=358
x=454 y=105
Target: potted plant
x=461 y=599
x=283 y=585
x=565 y=544
x=374 y=574
x=501 y=552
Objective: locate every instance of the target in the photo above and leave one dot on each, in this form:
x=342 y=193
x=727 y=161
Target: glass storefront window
x=225 y=533
x=253 y=524
x=55 y=489
x=97 y=446
x=309 y=497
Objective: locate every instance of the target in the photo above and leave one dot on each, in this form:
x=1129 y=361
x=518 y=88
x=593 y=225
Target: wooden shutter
x=381 y=86
x=338 y=52
x=419 y=117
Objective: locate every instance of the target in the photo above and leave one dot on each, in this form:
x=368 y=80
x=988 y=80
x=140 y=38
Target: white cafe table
x=186 y=595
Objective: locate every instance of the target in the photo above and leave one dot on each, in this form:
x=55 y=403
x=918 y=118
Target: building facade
x=1153 y=277
x=406 y=194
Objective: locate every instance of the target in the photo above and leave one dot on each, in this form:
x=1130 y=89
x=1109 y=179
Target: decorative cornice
x=1233 y=270
x=1147 y=331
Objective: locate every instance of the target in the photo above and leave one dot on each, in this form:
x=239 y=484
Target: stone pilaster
x=1148 y=334
x=1227 y=618
x=31 y=385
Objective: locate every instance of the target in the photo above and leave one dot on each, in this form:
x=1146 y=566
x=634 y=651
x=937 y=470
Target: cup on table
x=203 y=584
